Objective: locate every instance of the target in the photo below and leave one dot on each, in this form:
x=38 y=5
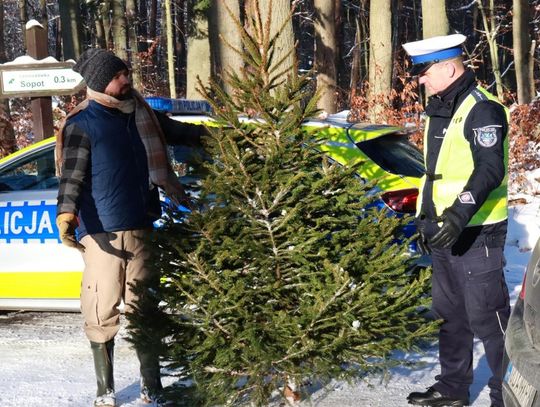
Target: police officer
x=462 y=217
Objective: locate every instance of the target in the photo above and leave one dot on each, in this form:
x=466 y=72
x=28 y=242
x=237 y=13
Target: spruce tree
x=284 y=273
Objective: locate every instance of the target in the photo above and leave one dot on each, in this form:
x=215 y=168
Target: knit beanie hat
x=98 y=67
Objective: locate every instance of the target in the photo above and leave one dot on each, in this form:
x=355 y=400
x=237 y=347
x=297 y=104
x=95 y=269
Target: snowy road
x=45 y=359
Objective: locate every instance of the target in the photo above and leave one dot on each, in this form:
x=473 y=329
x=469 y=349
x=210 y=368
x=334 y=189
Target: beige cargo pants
x=113 y=261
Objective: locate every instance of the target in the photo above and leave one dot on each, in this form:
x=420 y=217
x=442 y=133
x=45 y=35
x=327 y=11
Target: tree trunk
x=170 y=49
x=71 y=30
x=133 y=22
x=23 y=18
x=43 y=17
x=434 y=19
x=119 y=28
x=279 y=12
x=380 y=58
x=225 y=42
x=325 y=54
x=8 y=142
x=198 y=57
x=152 y=31
x=522 y=57
x=491 y=30
x=105 y=13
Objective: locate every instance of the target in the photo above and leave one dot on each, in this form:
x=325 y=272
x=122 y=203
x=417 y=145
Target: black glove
x=422 y=245
x=422 y=242
x=449 y=232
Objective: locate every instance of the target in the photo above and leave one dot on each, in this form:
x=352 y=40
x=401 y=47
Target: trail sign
x=32 y=78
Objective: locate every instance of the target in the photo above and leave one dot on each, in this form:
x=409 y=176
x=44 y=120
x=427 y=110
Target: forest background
x=352 y=49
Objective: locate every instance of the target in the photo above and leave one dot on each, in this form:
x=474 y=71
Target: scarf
x=159 y=169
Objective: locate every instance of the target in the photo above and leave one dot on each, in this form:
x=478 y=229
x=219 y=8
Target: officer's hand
x=449 y=232
x=422 y=245
x=67 y=223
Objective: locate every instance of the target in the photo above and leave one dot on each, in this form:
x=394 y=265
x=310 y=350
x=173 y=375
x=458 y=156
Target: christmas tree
x=284 y=273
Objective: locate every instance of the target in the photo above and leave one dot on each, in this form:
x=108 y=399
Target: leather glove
x=421 y=242
x=67 y=223
x=449 y=232
x=422 y=245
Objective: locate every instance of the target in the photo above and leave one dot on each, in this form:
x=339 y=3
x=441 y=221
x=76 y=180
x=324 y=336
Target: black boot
x=151 y=387
x=433 y=398
x=103 y=363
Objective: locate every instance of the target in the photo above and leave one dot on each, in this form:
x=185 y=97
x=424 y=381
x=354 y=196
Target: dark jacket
x=105 y=176
x=489 y=167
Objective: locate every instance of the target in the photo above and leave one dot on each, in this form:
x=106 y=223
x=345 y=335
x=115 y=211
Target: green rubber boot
x=151 y=387
x=103 y=363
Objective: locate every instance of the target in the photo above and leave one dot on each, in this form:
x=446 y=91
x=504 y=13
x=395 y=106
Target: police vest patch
x=486 y=136
x=466 y=198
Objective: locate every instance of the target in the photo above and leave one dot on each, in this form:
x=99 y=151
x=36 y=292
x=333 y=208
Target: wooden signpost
x=39 y=77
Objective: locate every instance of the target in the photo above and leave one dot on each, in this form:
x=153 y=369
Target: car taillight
x=403 y=200
x=522 y=292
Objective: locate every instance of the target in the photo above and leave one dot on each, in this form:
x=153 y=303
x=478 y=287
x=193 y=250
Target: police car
x=38 y=272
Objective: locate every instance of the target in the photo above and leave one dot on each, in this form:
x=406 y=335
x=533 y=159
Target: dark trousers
x=471 y=297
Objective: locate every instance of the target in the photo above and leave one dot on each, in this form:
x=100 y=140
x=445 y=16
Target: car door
x=36 y=271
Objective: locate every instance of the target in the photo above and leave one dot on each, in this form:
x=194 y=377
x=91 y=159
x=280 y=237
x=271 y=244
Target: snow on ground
x=45 y=359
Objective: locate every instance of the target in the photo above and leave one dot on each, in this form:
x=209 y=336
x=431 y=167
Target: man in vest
x=462 y=217
x=112 y=156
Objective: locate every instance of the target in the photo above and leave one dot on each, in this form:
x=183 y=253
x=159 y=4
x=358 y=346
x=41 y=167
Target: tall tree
x=523 y=53
x=434 y=19
x=119 y=28
x=491 y=31
x=23 y=17
x=380 y=58
x=226 y=45
x=326 y=54
x=71 y=28
x=169 y=29
x=278 y=13
x=132 y=19
x=198 y=54
x=7 y=134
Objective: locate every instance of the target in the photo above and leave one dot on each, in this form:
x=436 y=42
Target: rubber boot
x=103 y=363
x=151 y=387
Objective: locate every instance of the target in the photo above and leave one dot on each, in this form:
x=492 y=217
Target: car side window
x=33 y=172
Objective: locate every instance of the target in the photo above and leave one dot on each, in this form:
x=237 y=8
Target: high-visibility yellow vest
x=455 y=165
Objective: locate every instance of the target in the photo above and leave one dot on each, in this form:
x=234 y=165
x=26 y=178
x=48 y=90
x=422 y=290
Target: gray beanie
x=98 y=67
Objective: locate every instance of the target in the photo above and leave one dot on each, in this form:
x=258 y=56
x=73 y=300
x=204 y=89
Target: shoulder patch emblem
x=486 y=136
x=466 y=198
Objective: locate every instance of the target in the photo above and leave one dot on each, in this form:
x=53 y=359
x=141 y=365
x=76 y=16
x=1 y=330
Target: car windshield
x=37 y=171
x=395 y=154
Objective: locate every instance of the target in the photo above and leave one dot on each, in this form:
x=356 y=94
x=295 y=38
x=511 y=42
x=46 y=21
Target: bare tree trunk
x=434 y=21
x=133 y=22
x=106 y=13
x=380 y=58
x=491 y=29
x=522 y=57
x=99 y=28
x=43 y=17
x=152 y=31
x=279 y=12
x=325 y=54
x=225 y=43
x=119 y=28
x=23 y=18
x=198 y=57
x=71 y=30
x=170 y=48
x=8 y=142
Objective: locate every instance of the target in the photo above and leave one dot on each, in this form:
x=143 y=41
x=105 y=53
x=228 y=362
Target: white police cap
x=425 y=53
